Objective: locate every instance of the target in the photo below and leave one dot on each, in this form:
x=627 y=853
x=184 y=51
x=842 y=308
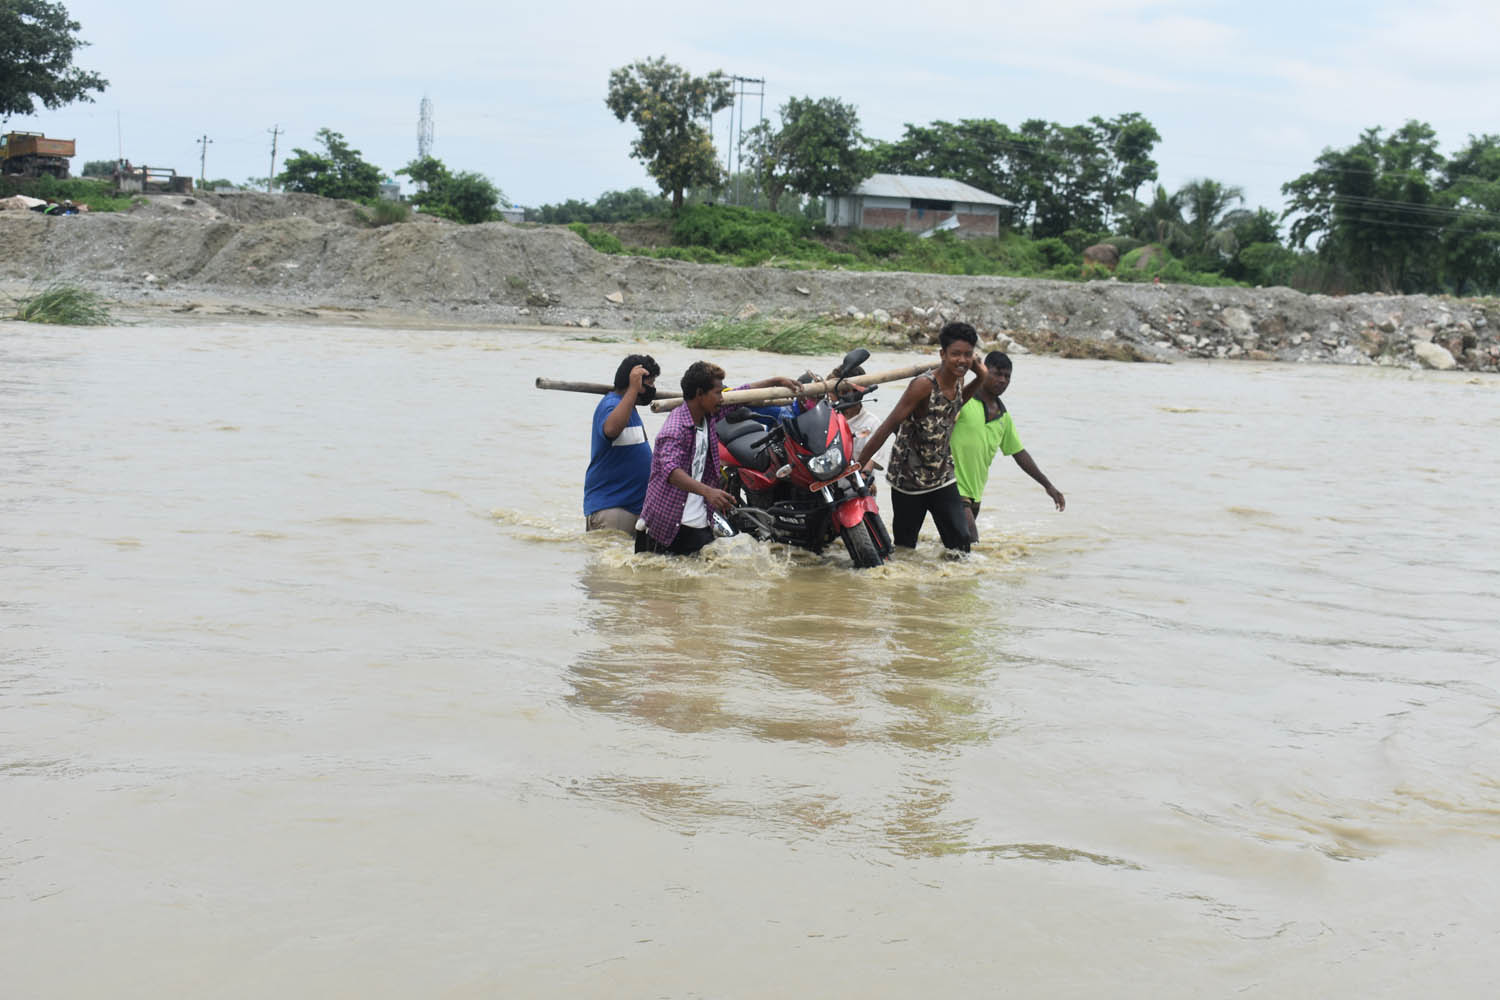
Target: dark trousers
x=688 y=541
x=909 y=510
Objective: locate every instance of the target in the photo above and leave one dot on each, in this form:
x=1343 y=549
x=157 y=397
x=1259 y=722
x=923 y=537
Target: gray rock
x=614 y=297
x=1433 y=355
x=1237 y=320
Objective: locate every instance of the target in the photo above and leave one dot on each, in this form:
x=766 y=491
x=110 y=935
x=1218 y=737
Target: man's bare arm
x=1029 y=466
x=916 y=392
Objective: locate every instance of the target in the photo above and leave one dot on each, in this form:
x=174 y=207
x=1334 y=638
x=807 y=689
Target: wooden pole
x=776 y=394
x=598 y=388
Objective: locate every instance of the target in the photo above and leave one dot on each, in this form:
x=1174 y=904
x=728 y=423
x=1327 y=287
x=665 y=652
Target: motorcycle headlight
x=827 y=464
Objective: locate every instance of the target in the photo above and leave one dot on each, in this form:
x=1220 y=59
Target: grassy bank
x=741 y=237
x=99 y=196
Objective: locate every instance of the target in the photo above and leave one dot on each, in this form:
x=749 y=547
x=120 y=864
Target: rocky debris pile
x=293 y=252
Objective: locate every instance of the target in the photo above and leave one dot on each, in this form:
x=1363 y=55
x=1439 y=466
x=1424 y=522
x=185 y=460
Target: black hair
x=998 y=360
x=957 y=331
x=700 y=377
x=622 y=373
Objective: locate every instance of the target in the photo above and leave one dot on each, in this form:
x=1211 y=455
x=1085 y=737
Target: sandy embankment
x=297 y=255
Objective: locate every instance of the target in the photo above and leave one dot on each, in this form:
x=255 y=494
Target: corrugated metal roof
x=930 y=188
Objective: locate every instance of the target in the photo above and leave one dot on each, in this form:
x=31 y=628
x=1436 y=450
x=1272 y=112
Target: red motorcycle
x=795 y=479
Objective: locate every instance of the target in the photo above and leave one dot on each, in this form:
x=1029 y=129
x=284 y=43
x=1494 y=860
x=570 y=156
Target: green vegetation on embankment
x=99 y=196
x=743 y=237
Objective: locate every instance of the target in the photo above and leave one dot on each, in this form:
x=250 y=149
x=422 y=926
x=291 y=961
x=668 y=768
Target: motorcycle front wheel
x=861 y=546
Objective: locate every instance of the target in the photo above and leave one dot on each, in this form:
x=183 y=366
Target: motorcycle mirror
x=853 y=360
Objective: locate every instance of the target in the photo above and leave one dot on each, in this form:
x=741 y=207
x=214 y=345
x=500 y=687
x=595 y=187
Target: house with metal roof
x=922 y=205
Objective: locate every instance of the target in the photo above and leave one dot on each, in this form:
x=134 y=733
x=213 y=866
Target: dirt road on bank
x=244 y=253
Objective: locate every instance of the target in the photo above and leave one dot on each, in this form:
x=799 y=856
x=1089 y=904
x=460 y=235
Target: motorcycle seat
x=738 y=437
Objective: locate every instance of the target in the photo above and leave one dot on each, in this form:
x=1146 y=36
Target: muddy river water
x=311 y=685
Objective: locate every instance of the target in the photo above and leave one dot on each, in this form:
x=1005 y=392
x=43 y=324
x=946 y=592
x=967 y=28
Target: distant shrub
x=1056 y=252
x=384 y=212
x=1268 y=264
x=603 y=242
x=733 y=230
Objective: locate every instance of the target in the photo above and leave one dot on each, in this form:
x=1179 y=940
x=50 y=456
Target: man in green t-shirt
x=984 y=426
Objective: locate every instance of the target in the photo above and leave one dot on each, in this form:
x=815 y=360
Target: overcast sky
x=1245 y=93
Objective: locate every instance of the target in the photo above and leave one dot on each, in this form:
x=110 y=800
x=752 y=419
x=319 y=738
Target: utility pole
x=203 y=160
x=736 y=138
x=271 y=177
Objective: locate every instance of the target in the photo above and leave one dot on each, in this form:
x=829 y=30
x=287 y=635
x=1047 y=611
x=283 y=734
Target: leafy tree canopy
x=463 y=197
x=37 y=42
x=818 y=150
x=611 y=206
x=667 y=104
x=1059 y=177
x=1374 y=209
x=338 y=173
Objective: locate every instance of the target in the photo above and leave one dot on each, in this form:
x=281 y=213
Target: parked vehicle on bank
x=32 y=154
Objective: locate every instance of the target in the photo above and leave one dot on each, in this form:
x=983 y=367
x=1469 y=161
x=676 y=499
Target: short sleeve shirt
x=975 y=441
x=618 y=469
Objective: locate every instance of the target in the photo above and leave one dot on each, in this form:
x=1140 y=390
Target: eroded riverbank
x=245 y=254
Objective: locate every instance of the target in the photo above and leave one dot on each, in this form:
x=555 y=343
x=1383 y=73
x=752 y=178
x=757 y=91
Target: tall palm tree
x=1210 y=217
x=1159 y=220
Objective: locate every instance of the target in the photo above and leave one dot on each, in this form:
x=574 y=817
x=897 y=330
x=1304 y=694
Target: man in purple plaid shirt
x=684 y=482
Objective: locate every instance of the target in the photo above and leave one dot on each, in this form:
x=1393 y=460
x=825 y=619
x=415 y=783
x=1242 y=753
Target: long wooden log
x=598 y=388
x=777 y=394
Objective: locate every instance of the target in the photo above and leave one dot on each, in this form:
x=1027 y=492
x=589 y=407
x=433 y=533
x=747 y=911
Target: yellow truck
x=31 y=154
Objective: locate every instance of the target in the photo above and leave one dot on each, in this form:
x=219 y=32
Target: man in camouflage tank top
x=921 y=470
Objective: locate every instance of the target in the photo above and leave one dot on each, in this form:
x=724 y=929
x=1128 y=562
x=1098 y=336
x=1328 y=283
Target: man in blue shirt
x=620 y=456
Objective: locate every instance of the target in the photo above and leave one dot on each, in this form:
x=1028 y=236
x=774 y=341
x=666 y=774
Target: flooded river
x=311 y=686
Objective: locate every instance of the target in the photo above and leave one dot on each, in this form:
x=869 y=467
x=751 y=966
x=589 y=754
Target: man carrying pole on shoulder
x=620 y=456
x=921 y=464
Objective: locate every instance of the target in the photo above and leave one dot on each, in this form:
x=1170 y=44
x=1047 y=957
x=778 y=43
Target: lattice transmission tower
x=424 y=129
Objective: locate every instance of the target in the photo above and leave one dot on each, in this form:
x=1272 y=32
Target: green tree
x=1471 y=236
x=629 y=205
x=668 y=105
x=98 y=168
x=818 y=150
x=37 y=42
x=338 y=173
x=463 y=197
x=1159 y=221
x=1127 y=141
x=1211 y=218
x=1060 y=178
x=473 y=197
x=1373 y=209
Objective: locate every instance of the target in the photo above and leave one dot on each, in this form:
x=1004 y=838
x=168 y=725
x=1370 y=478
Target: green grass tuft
x=383 y=212
x=64 y=305
x=774 y=336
